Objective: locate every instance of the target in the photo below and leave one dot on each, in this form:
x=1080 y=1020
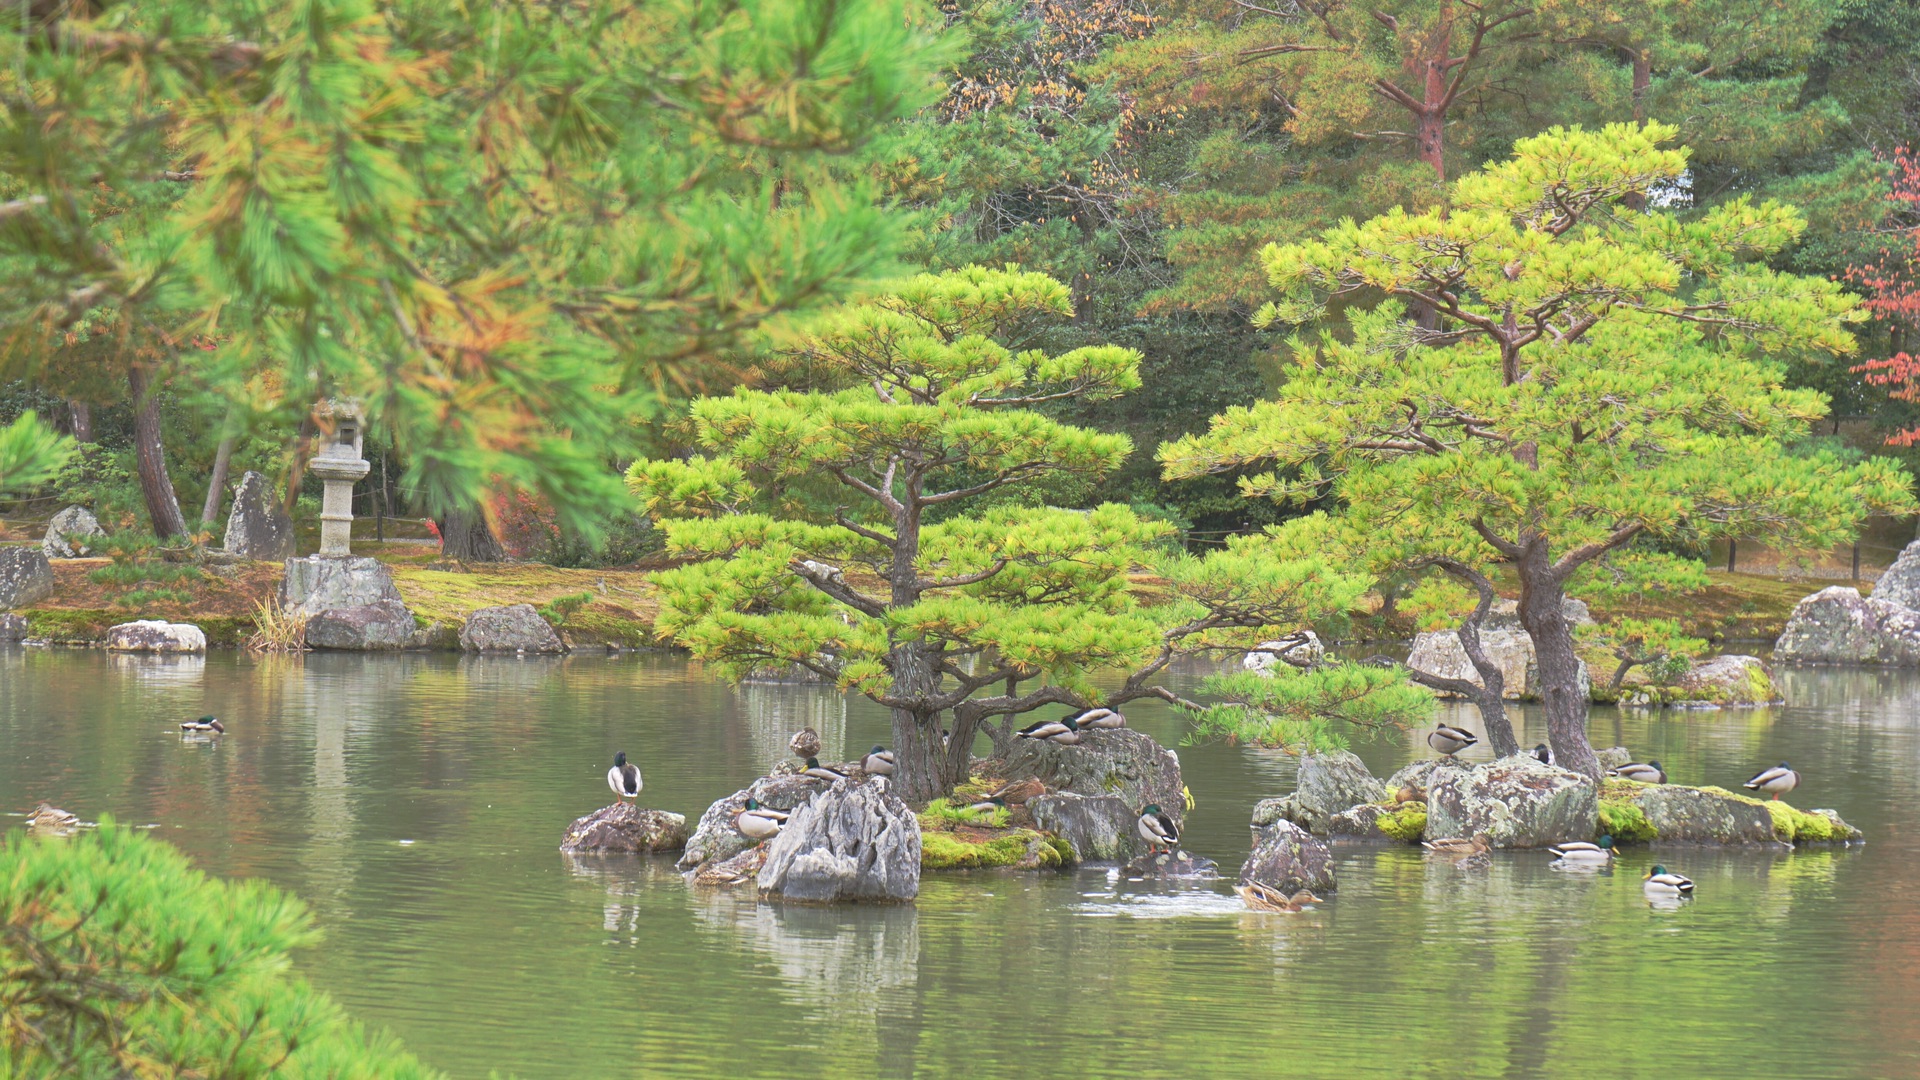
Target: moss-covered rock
x=1793 y=826
x=988 y=849
x=1676 y=813
x=1724 y=682
x=1406 y=823
x=1625 y=821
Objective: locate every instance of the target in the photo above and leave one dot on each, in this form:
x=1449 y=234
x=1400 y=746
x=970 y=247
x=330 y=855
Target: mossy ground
x=621 y=612
x=1406 y=823
x=948 y=842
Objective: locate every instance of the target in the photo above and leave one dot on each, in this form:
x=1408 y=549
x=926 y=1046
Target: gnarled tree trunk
x=150 y=456
x=1489 y=696
x=464 y=536
x=1542 y=593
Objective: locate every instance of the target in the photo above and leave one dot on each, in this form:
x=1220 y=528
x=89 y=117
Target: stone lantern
x=339 y=466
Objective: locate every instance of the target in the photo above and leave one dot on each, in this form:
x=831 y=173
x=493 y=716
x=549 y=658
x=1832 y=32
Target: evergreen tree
x=884 y=533
x=1600 y=374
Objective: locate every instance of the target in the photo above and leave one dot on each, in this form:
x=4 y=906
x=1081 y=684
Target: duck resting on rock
x=1450 y=740
x=821 y=772
x=624 y=778
x=757 y=822
x=1065 y=731
x=1099 y=719
x=878 y=762
x=1266 y=898
x=805 y=743
x=1158 y=829
x=1542 y=754
x=985 y=807
x=1648 y=772
x=1776 y=781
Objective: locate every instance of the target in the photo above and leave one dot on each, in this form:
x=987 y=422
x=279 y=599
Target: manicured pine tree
x=1600 y=375
x=883 y=530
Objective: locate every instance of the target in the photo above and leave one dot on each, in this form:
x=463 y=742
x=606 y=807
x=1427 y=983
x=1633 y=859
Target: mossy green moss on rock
x=1675 y=813
x=1809 y=826
x=1406 y=823
x=1625 y=822
x=979 y=849
x=1730 y=681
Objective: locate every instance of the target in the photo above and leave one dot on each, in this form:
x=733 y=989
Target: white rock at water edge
x=156 y=636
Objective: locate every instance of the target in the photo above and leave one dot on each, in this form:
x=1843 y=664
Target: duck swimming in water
x=1478 y=845
x=624 y=778
x=1579 y=851
x=204 y=724
x=1658 y=880
x=1266 y=898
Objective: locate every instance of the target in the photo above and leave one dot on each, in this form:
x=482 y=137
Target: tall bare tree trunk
x=150 y=455
x=217 y=484
x=80 y=421
x=464 y=536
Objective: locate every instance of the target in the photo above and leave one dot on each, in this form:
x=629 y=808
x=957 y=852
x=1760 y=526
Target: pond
x=415 y=802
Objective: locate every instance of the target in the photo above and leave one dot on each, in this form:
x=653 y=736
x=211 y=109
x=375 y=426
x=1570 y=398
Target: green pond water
x=416 y=803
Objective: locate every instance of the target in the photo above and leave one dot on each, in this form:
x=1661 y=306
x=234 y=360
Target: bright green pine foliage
x=122 y=960
x=498 y=225
x=30 y=454
x=1600 y=374
x=881 y=533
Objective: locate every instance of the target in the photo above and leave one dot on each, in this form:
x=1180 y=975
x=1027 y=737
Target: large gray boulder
x=1901 y=583
x=1505 y=614
x=319 y=583
x=624 y=828
x=1099 y=828
x=156 y=636
x=852 y=842
x=1836 y=626
x=70 y=532
x=1124 y=763
x=515 y=628
x=258 y=526
x=1439 y=653
x=363 y=628
x=1287 y=858
x=1696 y=816
x=1335 y=780
x=25 y=577
x=12 y=628
x=1517 y=801
x=716 y=838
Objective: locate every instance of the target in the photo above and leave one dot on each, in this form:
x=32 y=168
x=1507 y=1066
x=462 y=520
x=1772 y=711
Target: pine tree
x=503 y=229
x=884 y=531
x=1601 y=374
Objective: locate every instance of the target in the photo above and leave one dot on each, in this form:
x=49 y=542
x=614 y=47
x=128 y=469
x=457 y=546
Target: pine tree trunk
x=217 y=484
x=150 y=455
x=1541 y=597
x=464 y=537
x=80 y=421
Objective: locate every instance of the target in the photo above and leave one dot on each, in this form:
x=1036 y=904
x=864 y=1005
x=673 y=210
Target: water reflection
x=775 y=711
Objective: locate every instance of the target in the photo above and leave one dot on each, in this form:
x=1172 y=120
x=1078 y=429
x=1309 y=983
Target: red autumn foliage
x=1892 y=285
x=525 y=524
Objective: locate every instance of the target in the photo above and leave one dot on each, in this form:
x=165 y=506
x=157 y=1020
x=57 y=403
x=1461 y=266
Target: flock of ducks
x=1449 y=740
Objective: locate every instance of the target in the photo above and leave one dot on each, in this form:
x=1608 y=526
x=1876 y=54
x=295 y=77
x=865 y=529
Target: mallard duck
x=1645 y=772
x=1065 y=731
x=1778 y=780
x=623 y=778
x=1657 y=880
x=47 y=816
x=1542 y=754
x=205 y=723
x=821 y=772
x=986 y=806
x=1579 y=851
x=1478 y=845
x=757 y=822
x=1266 y=898
x=878 y=762
x=805 y=743
x=1450 y=740
x=1099 y=719
x=1158 y=829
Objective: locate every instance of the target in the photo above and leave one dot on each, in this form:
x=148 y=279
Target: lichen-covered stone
x=1099 y=828
x=515 y=628
x=156 y=636
x=1517 y=801
x=1287 y=858
x=854 y=841
x=1505 y=614
x=624 y=828
x=715 y=836
x=12 y=628
x=258 y=526
x=1688 y=815
x=25 y=577
x=1836 y=626
x=1124 y=763
x=323 y=582
x=1728 y=681
x=70 y=534
x=1901 y=583
x=1419 y=774
x=1331 y=782
x=1284 y=808
x=1440 y=653
x=363 y=628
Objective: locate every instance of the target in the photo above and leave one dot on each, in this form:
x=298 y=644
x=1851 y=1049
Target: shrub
x=559 y=608
x=123 y=960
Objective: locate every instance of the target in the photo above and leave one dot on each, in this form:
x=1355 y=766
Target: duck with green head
x=1658 y=880
x=757 y=822
x=1157 y=828
x=1580 y=851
